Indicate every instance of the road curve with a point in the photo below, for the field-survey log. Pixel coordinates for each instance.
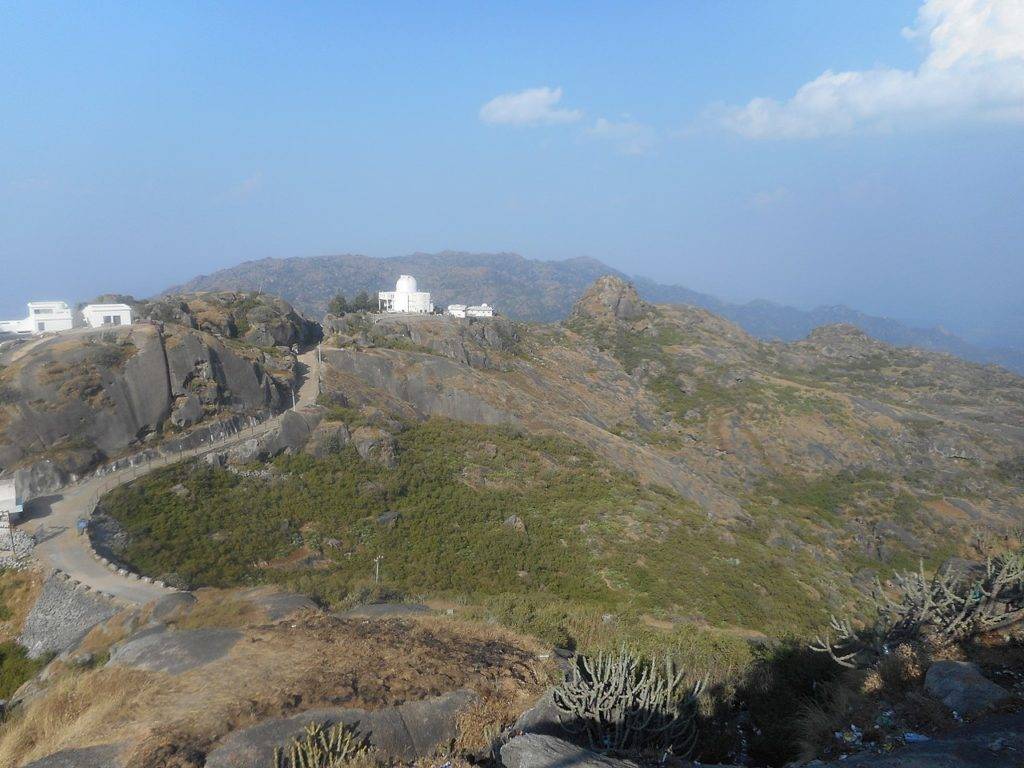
(53, 519)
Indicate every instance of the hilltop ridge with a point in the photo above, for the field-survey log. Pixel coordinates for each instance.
(544, 291)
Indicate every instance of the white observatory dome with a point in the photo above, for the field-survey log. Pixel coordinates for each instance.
(405, 284)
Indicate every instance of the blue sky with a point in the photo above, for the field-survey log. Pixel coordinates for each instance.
(867, 153)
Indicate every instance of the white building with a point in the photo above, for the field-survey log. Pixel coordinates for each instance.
(43, 316)
(481, 310)
(10, 500)
(461, 310)
(405, 298)
(98, 315)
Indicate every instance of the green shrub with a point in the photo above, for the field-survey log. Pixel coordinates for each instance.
(15, 668)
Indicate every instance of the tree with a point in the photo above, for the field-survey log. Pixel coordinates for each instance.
(338, 305)
(363, 303)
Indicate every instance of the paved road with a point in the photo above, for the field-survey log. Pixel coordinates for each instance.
(54, 518)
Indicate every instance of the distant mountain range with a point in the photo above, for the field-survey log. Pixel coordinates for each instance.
(529, 289)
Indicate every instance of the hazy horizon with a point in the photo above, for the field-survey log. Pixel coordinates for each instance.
(866, 154)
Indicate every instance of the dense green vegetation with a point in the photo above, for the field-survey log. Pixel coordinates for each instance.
(361, 302)
(596, 558)
(16, 668)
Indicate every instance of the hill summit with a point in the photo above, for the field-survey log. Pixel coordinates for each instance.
(609, 298)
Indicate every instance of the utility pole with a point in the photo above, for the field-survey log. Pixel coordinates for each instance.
(376, 568)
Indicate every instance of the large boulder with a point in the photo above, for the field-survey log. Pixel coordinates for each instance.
(160, 649)
(609, 299)
(961, 687)
(413, 730)
(92, 395)
(328, 437)
(539, 751)
(100, 756)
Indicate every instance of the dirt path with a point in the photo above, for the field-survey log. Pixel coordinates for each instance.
(54, 519)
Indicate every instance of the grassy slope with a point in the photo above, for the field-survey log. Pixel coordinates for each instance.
(595, 541)
(17, 591)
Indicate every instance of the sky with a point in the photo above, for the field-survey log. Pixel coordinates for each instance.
(866, 153)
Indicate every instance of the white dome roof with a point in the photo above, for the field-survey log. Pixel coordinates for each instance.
(405, 284)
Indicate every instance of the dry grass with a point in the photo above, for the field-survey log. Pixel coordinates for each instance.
(218, 608)
(102, 637)
(481, 724)
(896, 673)
(171, 722)
(841, 706)
(18, 593)
(79, 709)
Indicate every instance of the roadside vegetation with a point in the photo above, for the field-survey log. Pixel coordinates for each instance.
(533, 532)
(18, 591)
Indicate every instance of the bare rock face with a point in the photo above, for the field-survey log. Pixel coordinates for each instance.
(257, 319)
(412, 730)
(609, 299)
(961, 687)
(160, 649)
(327, 438)
(90, 395)
(539, 751)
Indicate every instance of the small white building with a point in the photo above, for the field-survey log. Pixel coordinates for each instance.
(479, 310)
(457, 310)
(405, 298)
(43, 317)
(10, 500)
(99, 315)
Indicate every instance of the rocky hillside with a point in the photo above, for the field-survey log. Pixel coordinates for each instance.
(527, 289)
(78, 399)
(651, 463)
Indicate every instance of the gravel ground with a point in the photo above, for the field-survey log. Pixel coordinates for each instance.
(61, 616)
(24, 543)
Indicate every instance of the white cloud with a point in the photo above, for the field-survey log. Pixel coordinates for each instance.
(629, 136)
(973, 70)
(534, 106)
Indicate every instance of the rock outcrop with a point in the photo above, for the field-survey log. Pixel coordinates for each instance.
(408, 732)
(255, 318)
(538, 751)
(961, 687)
(609, 299)
(88, 396)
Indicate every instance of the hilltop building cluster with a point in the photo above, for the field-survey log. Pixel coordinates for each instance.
(408, 299)
(57, 316)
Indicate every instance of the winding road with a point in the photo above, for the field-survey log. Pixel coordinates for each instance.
(54, 519)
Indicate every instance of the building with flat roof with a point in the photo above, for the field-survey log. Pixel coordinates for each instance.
(43, 317)
(477, 310)
(480, 310)
(99, 315)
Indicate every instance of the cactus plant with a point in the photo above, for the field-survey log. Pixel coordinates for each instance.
(321, 746)
(624, 705)
(946, 608)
